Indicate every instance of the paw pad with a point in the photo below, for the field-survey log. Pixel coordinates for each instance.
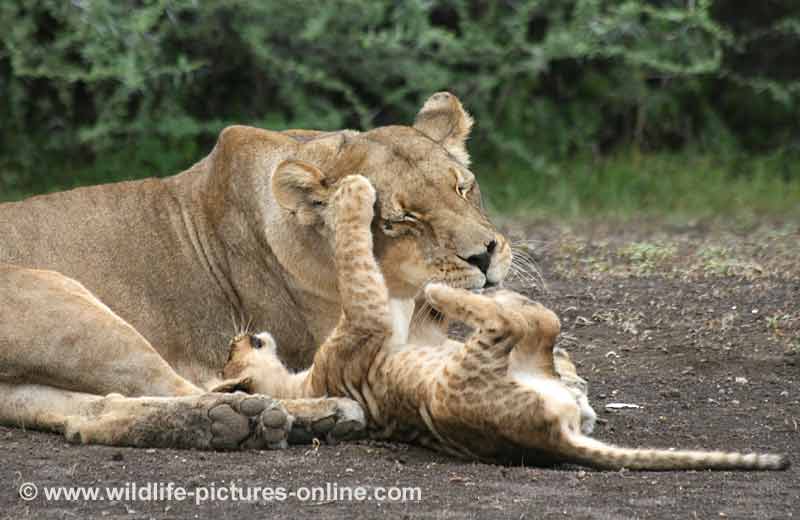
(248, 422)
(344, 419)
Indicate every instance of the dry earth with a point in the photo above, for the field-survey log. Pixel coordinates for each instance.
(698, 326)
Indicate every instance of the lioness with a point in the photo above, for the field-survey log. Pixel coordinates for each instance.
(497, 397)
(236, 236)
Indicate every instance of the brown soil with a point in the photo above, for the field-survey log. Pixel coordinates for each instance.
(699, 327)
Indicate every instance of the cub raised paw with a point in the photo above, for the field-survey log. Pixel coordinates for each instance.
(353, 202)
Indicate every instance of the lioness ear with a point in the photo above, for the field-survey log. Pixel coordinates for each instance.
(301, 188)
(443, 119)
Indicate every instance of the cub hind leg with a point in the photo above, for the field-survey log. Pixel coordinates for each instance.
(578, 386)
(528, 331)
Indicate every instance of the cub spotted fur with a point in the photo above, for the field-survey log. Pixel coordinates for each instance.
(496, 397)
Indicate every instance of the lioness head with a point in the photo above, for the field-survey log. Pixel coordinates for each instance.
(430, 224)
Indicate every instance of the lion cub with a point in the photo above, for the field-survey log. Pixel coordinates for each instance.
(497, 397)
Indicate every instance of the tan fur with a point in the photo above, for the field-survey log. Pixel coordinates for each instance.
(63, 386)
(497, 397)
(169, 266)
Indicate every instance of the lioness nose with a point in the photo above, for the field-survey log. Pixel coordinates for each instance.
(483, 260)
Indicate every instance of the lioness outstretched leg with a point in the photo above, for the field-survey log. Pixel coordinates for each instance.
(208, 421)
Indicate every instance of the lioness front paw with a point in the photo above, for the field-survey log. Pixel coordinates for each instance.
(242, 421)
(329, 419)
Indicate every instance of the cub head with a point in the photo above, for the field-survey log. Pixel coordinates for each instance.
(430, 224)
(250, 357)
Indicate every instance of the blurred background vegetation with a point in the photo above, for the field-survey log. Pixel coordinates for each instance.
(583, 107)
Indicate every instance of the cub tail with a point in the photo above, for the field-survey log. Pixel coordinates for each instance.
(591, 452)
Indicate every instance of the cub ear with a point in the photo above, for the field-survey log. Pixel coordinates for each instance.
(443, 119)
(300, 188)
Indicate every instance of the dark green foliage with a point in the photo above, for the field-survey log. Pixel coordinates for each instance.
(96, 90)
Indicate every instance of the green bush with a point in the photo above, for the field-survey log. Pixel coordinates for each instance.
(96, 90)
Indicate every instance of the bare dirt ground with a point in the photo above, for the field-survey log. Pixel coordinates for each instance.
(698, 326)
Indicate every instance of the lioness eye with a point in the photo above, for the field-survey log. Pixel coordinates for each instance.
(463, 189)
(405, 218)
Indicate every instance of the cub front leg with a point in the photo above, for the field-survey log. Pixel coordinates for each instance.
(342, 362)
(362, 289)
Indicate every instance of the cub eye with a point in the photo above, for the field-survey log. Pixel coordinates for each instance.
(409, 217)
(256, 342)
(463, 189)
